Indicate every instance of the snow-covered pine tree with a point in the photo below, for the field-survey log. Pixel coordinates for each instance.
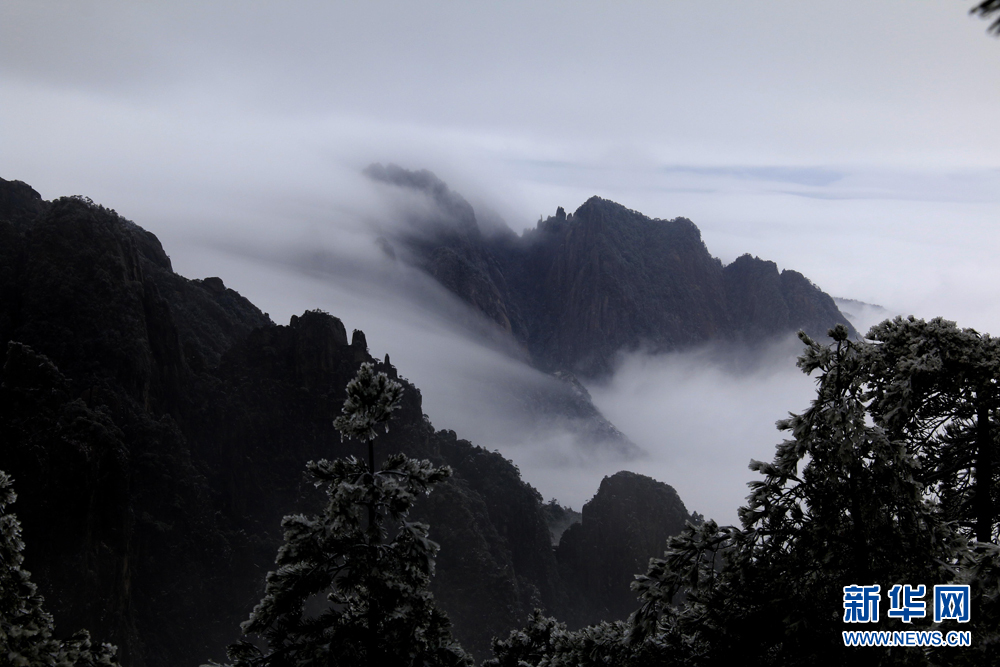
(935, 386)
(841, 504)
(849, 499)
(351, 587)
(26, 629)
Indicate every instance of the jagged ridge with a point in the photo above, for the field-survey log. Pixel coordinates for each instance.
(581, 287)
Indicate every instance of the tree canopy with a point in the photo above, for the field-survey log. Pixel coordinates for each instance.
(351, 584)
(987, 8)
(882, 481)
(27, 630)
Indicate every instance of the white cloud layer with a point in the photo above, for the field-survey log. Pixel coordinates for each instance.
(702, 418)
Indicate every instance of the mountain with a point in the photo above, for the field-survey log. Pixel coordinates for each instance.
(157, 429)
(581, 287)
(629, 518)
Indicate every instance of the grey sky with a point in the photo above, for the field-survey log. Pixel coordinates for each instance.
(856, 142)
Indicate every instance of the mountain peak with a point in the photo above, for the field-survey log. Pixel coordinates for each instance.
(599, 204)
(581, 288)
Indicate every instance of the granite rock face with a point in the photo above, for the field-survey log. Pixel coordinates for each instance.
(484, 266)
(581, 287)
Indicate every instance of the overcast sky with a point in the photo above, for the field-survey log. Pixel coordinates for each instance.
(856, 141)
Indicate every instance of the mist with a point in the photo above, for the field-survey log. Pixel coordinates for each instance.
(854, 143)
(474, 378)
(696, 417)
(702, 415)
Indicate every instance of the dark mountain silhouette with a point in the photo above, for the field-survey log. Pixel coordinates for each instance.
(629, 518)
(581, 287)
(157, 429)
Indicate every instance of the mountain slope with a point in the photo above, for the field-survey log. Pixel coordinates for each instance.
(630, 517)
(157, 429)
(581, 287)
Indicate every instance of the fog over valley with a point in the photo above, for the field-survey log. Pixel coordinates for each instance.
(458, 333)
(697, 417)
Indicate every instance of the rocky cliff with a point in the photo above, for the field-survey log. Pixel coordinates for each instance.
(157, 430)
(626, 522)
(581, 287)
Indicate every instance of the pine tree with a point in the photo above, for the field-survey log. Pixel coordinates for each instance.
(545, 641)
(841, 504)
(351, 585)
(26, 629)
(987, 8)
(935, 387)
(855, 496)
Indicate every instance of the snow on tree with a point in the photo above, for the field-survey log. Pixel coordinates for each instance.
(857, 495)
(351, 586)
(934, 387)
(547, 641)
(843, 503)
(26, 629)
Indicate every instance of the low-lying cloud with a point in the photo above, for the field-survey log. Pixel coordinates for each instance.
(474, 378)
(703, 415)
(698, 416)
